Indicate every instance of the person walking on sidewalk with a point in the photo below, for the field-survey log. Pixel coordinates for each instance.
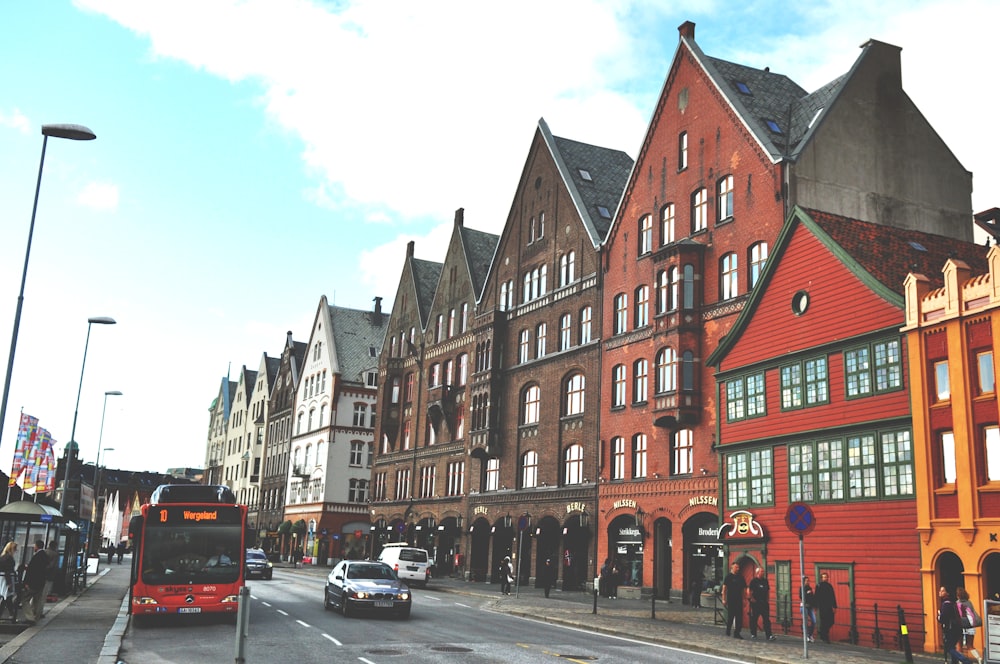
(826, 602)
(8, 580)
(734, 588)
(548, 575)
(52, 571)
(967, 611)
(34, 583)
(951, 627)
(760, 604)
(506, 576)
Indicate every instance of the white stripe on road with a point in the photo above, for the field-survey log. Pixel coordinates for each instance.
(464, 606)
(266, 603)
(327, 636)
(304, 624)
(366, 661)
(436, 599)
(284, 613)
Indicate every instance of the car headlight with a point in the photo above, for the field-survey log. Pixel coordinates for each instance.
(403, 596)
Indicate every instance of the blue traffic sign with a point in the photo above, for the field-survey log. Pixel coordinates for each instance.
(800, 518)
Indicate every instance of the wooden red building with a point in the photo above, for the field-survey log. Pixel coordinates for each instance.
(814, 408)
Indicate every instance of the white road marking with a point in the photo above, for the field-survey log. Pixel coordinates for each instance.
(304, 624)
(268, 604)
(284, 613)
(330, 638)
(464, 606)
(366, 661)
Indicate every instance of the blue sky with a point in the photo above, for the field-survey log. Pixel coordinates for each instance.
(255, 155)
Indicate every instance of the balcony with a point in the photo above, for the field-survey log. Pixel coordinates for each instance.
(676, 410)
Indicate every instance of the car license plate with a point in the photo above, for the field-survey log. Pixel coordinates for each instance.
(413, 568)
(189, 609)
(383, 604)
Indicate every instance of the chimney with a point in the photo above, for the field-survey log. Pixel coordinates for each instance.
(460, 217)
(686, 29)
(409, 249)
(378, 304)
(288, 338)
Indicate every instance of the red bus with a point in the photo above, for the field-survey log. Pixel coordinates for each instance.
(188, 547)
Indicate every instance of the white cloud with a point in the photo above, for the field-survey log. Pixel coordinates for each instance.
(99, 196)
(15, 119)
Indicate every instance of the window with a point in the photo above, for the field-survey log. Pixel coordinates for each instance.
(745, 397)
(573, 464)
(641, 307)
(872, 369)
(897, 464)
(618, 386)
(687, 370)
(667, 228)
(540, 340)
(682, 151)
(567, 268)
(991, 443)
(449, 372)
(439, 328)
(452, 320)
(640, 392)
(360, 412)
(749, 478)
(492, 475)
(541, 225)
(357, 453)
(621, 313)
(639, 444)
(459, 428)
(524, 346)
(984, 366)
(804, 384)
(456, 478)
(406, 435)
(532, 400)
(586, 315)
(662, 292)
(434, 379)
(645, 234)
(689, 286)
(673, 296)
(465, 317)
(683, 454)
(575, 393)
(862, 473)
(427, 481)
(463, 369)
(728, 277)
(724, 198)
(402, 484)
(618, 458)
(949, 472)
(565, 331)
(394, 391)
(506, 296)
(357, 491)
(758, 257)
(699, 210)
(529, 470)
(666, 370)
(942, 388)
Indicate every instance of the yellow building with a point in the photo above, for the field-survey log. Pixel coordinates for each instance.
(952, 334)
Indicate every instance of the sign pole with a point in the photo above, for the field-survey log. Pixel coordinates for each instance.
(802, 596)
(800, 520)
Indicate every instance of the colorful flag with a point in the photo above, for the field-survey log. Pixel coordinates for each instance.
(44, 464)
(50, 466)
(26, 434)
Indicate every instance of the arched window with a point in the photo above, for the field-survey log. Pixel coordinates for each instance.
(567, 268)
(586, 320)
(757, 260)
(667, 224)
(540, 334)
(308, 459)
(728, 277)
(524, 346)
(639, 455)
(575, 393)
(640, 388)
(641, 306)
(682, 151)
(683, 452)
(618, 386)
(565, 331)
(674, 296)
(621, 313)
(699, 210)
(529, 469)
(724, 198)
(618, 458)
(531, 402)
(666, 370)
(573, 464)
(463, 369)
(645, 234)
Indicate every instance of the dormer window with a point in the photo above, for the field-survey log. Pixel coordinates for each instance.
(585, 175)
(773, 126)
(742, 87)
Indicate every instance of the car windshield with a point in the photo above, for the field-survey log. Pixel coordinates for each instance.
(413, 555)
(369, 572)
(256, 555)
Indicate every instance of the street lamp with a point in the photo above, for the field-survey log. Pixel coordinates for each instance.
(97, 477)
(100, 320)
(73, 133)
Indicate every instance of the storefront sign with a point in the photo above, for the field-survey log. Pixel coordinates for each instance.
(629, 534)
(576, 507)
(741, 527)
(480, 509)
(624, 502)
(703, 500)
(708, 532)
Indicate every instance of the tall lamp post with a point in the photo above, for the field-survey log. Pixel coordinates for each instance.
(97, 476)
(99, 523)
(71, 445)
(73, 133)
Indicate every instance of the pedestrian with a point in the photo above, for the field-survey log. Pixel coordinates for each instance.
(826, 603)
(548, 576)
(696, 592)
(734, 587)
(34, 583)
(809, 604)
(568, 577)
(760, 604)
(110, 550)
(602, 583)
(506, 576)
(970, 621)
(614, 579)
(8, 580)
(52, 571)
(951, 627)
(121, 551)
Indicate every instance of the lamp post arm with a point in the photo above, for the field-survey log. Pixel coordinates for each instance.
(72, 434)
(20, 295)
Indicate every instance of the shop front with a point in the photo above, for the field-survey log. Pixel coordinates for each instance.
(704, 556)
(625, 549)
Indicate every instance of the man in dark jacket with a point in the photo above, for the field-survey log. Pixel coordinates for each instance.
(760, 604)
(734, 587)
(34, 583)
(826, 602)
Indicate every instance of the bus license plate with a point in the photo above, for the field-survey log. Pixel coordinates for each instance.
(383, 604)
(189, 609)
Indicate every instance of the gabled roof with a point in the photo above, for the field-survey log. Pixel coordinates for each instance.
(358, 337)
(271, 366)
(608, 170)
(480, 247)
(425, 279)
(881, 257)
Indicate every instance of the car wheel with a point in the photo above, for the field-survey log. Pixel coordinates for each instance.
(345, 608)
(326, 600)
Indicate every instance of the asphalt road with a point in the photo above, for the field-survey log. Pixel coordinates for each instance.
(288, 623)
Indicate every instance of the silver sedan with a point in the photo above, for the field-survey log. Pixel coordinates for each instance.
(361, 585)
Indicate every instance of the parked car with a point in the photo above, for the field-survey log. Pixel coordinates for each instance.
(257, 565)
(410, 564)
(364, 585)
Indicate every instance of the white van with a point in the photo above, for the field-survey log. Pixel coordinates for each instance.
(411, 564)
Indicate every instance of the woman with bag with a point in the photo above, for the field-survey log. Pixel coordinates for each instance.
(506, 576)
(969, 623)
(8, 580)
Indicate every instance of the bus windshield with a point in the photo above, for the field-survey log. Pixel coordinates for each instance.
(191, 554)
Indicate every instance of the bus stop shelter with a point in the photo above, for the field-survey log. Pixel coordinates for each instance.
(24, 521)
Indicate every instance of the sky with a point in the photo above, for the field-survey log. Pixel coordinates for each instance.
(255, 155)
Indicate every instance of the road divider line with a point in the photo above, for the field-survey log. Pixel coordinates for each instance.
(304, 624)
(330, 638)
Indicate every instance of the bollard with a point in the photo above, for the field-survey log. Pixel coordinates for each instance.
(595, 600)
(243, 625)
(653, 606)
(904, 634)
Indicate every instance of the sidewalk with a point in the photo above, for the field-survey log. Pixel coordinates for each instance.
(675, 624)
